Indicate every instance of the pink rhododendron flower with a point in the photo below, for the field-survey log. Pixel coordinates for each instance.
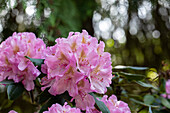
(57, 108)
(14, 65)
(83, 99)
(114, 105)
(12, 111)
(75, 61)
(94, 110)
(61, 71)
(167, 88)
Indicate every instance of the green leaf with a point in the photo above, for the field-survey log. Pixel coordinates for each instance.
(52, 20)
(148, 99)
(131, 76)
(14, 91)
(141, 103)
(165, 102)
(47, 105)
(162, 86)
(52, 100)
(44, 96)
(31, 96)
(153, 76)
(36, 62)
(100, 104)
(6, 82)
(146, 85)
(130, 67)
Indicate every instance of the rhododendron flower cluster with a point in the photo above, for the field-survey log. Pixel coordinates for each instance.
(114, 105)
(167, 88)
(78, 65)
(57, 108)
(14, 65)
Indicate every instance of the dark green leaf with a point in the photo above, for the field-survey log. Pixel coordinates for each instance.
(100, 104)
(131, 76)
(44, 96)
(162, 86)
(146, 85)
(36, 62)
(52, 20)
(148, 99)
(165, 102)
(14, 91)
(6, 82)
(52, 100)
(139, 102)
(31, 96)
(47, 105)
(130, 67)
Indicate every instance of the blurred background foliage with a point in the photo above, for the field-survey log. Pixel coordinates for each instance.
(136, 33)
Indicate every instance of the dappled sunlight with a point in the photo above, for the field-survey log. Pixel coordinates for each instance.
(131, 25)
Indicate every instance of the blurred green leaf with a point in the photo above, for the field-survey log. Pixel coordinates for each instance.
(43, 96)
(143, 111)
(7, 82)
(100, 104)
(144, 104)
(52, 20)
(24, 5)
(152, 75)
(53, 100)
(162, 86)
(6, 104)
(131, 76)
(148, 99)
(31, 96)
(14, 90)
(165, 102)
(47, 105)
(36, 62)
(146, 85)
(130, 67)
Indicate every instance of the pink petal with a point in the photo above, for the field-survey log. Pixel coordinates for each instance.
(22, 65)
